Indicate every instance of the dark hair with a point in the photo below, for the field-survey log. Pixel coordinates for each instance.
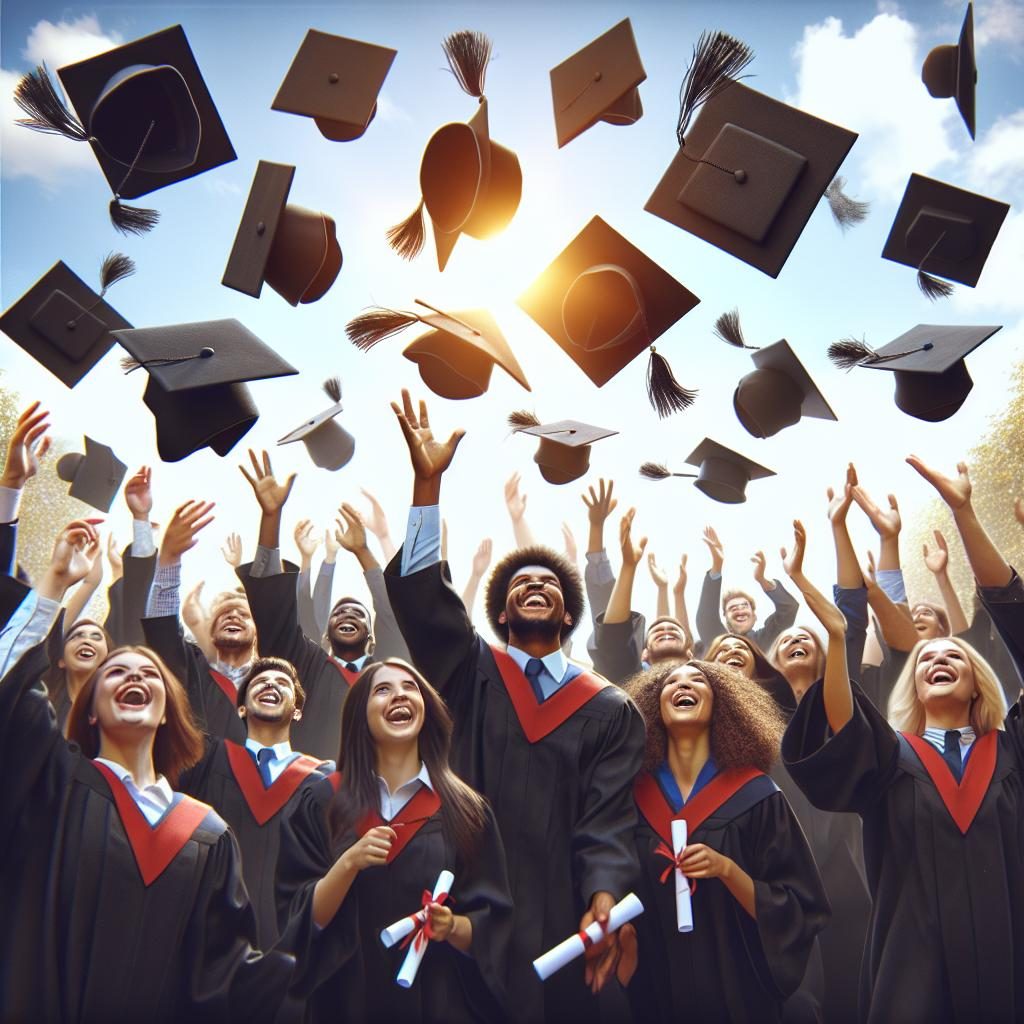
(668, 618)
(462, 808)
(746, 725)
(938, 611)
(766, 675)
(536, 554)
(55, 677)
(179, 743)
(271, 665)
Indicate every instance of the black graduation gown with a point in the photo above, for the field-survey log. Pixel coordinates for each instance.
(228, 780)
(945, 863)
(345, 971)
(558, 775)
(106, 918)
(731, 967)
(274, 607)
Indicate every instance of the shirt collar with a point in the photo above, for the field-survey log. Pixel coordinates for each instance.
(967, 734)
(421, 776)
(556, 663)
(359, 662)
(234, 672)
(280, 749)
(161, 787)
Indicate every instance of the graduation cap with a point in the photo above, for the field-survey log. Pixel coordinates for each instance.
(455, 357)
(146, 111)
(330, 446)
(197, 374)
(95, 477)
(945, 231)
(336, 82)
(604, 302)
(598, 83)
(723, 474)
(932, 381)
(951, 71)
(469, 183)
(63, 324)
(293, 249)
(750, 172)
(564, 450)
(779, 392)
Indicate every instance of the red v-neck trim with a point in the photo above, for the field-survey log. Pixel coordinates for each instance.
(538, 720)
(407, 822)
(963, 800)
(154, 846)
(349, 677)
(227, 687)
(655, 808)
(264, 802)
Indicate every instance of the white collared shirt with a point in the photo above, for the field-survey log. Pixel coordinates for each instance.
(283, 756)
(392, 803)
(153, 800)
(556, 664)
(937, 738)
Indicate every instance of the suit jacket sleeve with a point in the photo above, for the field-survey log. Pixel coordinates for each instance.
(138, 577)
(709, 619)
(784, 615)
(616, 654)
(388, 640)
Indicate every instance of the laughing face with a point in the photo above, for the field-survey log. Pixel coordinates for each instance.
(348, 628)
(926, 622)
(129, 694)
(85, 647)
(666, 639)
(739, 615)
(394, 708)
(270, 697)
(233, 628)
(795, 649)
(534, 603)
(736, 654)
(686, 700)
(943, 674)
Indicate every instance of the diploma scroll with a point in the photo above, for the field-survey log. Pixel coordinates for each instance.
(684, 911)
(415, 929)
(565, 952)
(394, 933)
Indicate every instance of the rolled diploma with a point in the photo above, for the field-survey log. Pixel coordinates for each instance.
(394, 933)
(684, 912)
(411, 963)
(565, 952)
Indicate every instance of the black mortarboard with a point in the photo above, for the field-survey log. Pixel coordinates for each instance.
(945, 231)
(455, 358)
(293, 249)
(598, 83)
(723, 474)
(329, 444)
(951, 71)
(61, 322)
(197, 374)
(95, 477)
(932, 381)
(563, 454)
(335, 81)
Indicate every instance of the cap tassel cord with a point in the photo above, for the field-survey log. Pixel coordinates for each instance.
(657, 471)
(133, 220)
(665, 393)
(932, 287)
(448, 316)
(407, 238)
(115, 267)
(845, 211)
(849, 352)
(36, 96)
(727, 327)
(468, 55)
(374, 326)
(718, 58)
(130, 364)
(591, 82)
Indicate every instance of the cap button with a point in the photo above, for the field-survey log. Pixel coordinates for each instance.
(261, 228)
(206, 352)
(740, 176)
(333, 78)
(927, 346)
(597, 76)
(70, 325)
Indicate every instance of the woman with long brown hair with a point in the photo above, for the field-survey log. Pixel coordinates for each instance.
(366, 850)
(739, 652)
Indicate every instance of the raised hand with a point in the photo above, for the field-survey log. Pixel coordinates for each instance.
(429, 457)
(955, 493)
(680, 584)
(657, 573)
(306, 538)
(794, 563)
(232, 550)
(600, 503)
(138, 494)
(839, 505)
(114, 558)
(372, 849)
(270, 494)
(331, 546)
(760, 565)
(482, 558)
(75, 551)
(937, 560)
(182, 531)
(716, 549)
(631, 553)
(94, 577)
(514, 501)
(870, 572)
(376, 522)
(193, 613)
(350, 534)
(570, 543)
(27, 445)
(886, 522)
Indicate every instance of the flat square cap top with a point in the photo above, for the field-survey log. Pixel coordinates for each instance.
(569, 433)
(592, 84)
(931, 348)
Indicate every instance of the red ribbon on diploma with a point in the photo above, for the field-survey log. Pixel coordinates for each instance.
(662, 850)
(423, 932)
(587, 940)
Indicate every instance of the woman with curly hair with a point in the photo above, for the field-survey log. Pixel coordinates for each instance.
(712, 736)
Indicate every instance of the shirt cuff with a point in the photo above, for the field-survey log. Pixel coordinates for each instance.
(143, 544)
(10, 504)
(712, 575)
(266, 562)
(422, 547)
(599, 568)
(891, 582)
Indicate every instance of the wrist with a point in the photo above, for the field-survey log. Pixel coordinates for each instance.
(365, 558)
(270, 530)
(168, 558)
(426, 491)
(15, 483)
(765, 584)
(595, 541)
(53, 585)
(716, 566)
(330, 557)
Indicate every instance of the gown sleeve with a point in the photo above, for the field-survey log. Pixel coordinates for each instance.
(616, 653)
(709, 619)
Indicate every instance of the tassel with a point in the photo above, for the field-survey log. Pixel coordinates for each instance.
(655, 471)
(717, 59)
(521, 418)
(666, 394)
(132, 220)
(850, 352)
(333, 388)
(36, 96)
(727, 327)
(932, 287)
(116, 267)
(128, 364)
(845, 211)
(367, 329)
(407, 238)
(468, 55)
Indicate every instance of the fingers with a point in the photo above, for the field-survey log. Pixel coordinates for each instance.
(256, 464)
(424, 422)
(851, 475)
(410, 415)
(456, 439)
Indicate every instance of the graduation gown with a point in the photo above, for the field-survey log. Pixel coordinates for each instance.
(107, 918)
(731, 967)
(228, 780)
(558, 775)
(945, 863)
(344, 970)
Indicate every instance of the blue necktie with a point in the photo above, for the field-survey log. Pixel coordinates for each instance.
(533, 669)
(263, 759)
(951, 753)
(351, 666)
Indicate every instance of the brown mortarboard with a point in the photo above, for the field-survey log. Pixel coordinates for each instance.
(329, 444)
(469, 184)
(723, 474)
(146, 111)
(750, 172)
(197, 374)
(63, 324)
(336, 82)
(604, 302)
(943, 232)
(293, 249)
(95, 477)
(951, 71)
(455, 357)
(564, 450)
(598, 83)
(779, 391)
(932, 381)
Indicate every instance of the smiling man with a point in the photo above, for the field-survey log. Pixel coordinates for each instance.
(554, 748)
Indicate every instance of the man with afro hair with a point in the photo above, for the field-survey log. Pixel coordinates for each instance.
(553, 747)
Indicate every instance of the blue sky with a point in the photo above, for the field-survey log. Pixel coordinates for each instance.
(855, 63)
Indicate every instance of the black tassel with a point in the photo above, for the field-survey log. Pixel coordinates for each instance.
(521, 418)
(468, 55)
(845, 211)
(333, 388)
(718, 58)
(367, 329)
(132, 220)
(727, 327)
(655, 471)
(850, 352)
(666, 394)
(407, 238)
(116, 267)
(933, 287)
(37, 97)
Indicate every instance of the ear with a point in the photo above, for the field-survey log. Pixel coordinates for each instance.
(241, 711)
(645, 655)
(502, 619)
(61, 664)
(567, 619)
(297, 714)
(163, 721)
(92, 719)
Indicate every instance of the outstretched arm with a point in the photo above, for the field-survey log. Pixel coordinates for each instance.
(682, 616)
(597, 575)
(660, 579)
(271, 497)
(619, 606)
(481, 561)
(937, 562)
(516, 505)
(709, 617)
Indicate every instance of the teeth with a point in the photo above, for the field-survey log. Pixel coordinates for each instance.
(399, 715)
(134, 696)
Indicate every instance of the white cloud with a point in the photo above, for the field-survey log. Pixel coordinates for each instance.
(67, 42)
(1000, 21)
(388, 110)
(997, 158)
(1000, 284)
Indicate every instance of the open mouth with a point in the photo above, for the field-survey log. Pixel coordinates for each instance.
(940, 675)
(269, 697)
(683, 699)
(232, 627)
(85, 652)
(798, 652)
(133, 695)
(536, 600)
(347, 629)
(735, 661)
(400, 714)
